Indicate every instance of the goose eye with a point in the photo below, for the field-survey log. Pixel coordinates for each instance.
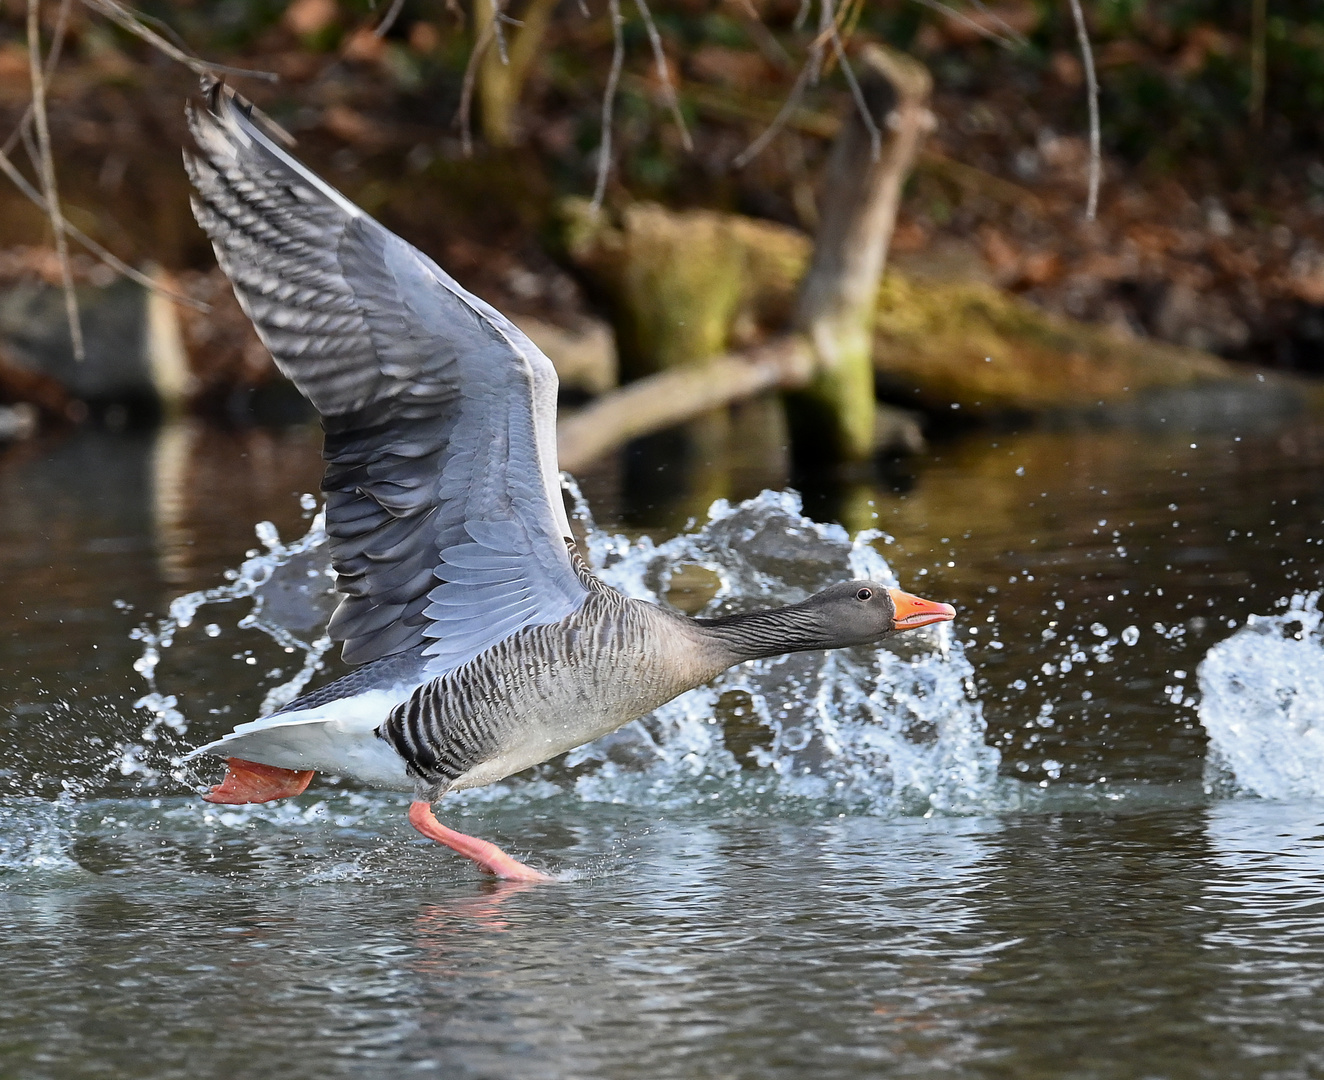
(864, 594)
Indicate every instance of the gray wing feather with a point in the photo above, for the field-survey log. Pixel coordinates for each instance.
(446, 524)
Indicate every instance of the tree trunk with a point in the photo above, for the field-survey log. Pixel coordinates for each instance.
(500, 81)
(832, 419)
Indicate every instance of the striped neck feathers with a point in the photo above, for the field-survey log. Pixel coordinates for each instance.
(758, 634)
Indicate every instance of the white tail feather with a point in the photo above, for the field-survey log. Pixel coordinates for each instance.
(338, 737)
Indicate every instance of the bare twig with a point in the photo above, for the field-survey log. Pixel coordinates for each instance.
(816, 47)
(126, 19)
(609, 100)
(57, 39)
(21, 128)
(388, 20)
(848, 17)
(165, 28)
(875, 138)
(773, 51)
(961, 17)
(789, 106)
(808, 75)
(48, 186)
(663, 73)
(21, 182)
(465, 112)
(993, 16)
(498, 17)
(52, 58)
(24, 127)
(1092, 89)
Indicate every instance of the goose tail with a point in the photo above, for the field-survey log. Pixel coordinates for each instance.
(338, 737)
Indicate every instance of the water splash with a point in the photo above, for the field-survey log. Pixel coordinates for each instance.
(1262, 704)
(292, 591)
(876, 730)
(882, 730)
(35, 836)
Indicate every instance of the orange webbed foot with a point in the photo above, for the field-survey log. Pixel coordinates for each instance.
(250, 782)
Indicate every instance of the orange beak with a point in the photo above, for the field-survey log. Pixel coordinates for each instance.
(911, 611)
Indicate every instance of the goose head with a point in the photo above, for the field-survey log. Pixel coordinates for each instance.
(864, 612)
(851, 613)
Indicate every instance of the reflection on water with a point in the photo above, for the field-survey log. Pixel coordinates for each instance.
(1107, 928)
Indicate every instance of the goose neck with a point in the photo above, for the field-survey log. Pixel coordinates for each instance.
(757, 634)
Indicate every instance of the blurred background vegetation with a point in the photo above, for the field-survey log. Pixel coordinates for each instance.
(1211, 225)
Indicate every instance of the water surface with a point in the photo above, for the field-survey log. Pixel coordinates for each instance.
(1102, 906)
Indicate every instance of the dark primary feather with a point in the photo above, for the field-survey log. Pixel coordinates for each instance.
(445, 519)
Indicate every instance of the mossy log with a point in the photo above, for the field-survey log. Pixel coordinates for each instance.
(683, 286)
(971, 345)
(686, 287)
(936, 343)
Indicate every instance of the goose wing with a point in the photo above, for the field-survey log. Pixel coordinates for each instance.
(446, 524)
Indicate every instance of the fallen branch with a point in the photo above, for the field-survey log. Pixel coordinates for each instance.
(671, 397)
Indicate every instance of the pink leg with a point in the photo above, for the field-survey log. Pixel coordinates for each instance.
(490, 857)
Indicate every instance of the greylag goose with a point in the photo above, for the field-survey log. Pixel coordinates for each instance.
(483, 644)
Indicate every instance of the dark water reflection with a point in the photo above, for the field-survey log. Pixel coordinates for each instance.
(1171, 935)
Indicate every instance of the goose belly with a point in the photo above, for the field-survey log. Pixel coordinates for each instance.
(545, 690)
(541, 693)
(566, 717)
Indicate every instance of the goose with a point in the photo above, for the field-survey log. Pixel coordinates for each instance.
(482, 644)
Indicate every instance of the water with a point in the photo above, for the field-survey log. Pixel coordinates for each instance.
(992, 853)
(1262, 703)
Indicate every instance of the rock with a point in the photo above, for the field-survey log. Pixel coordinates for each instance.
(18, 421)
(134, 350)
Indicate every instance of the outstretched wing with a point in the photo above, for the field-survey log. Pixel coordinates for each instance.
(444, 509)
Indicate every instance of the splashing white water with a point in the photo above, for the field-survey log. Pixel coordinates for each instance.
(874, 730)
(292, 589)
(1262, 704)
(871, 730)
